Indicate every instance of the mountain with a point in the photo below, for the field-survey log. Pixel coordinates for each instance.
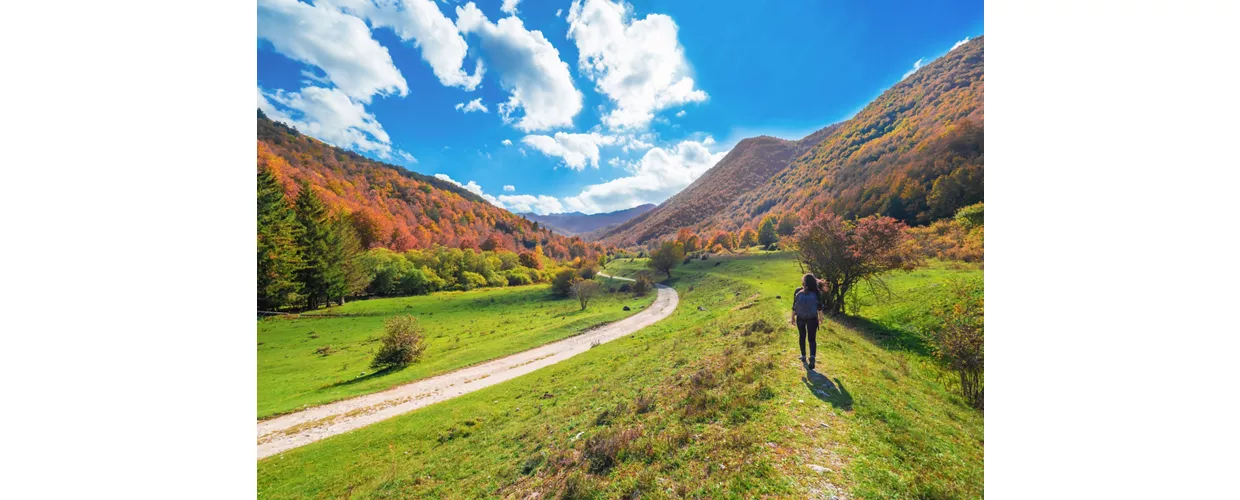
(396, 208)
(575, 223)
(749, 165)
(915, 153)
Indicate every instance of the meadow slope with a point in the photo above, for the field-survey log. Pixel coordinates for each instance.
(708, 402)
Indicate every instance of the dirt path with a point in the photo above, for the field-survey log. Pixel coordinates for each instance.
(307, 426)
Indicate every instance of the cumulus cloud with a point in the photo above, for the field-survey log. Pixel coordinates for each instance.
(331, 116)
(962, 42)
(474, 105)
(509, 7)
(659, 174)
(421, 21)
(680, 114)
(540, 204)
(472, 187)
(576, 150)
(541, 91)
(638, 64)
(337, 43)
(916, 66)
(509, 188)
(506, 142)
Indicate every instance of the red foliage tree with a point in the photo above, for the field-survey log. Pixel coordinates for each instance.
(844, 253)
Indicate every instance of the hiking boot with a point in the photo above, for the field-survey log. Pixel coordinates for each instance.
(802, 359)
(811, 362)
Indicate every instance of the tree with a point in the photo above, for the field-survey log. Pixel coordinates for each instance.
(788, 224)
(766, 231)
(971, 216)
(279, 258)
(667, 256)
(530, 260)
(845, 253)
(693, 243)
(723, 239)
(642, 283)
(584, 290)
(346, 255)
(749, 238)
(319, 241)
(562, 283)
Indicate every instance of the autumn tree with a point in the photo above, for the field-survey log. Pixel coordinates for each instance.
(766, 231)
(723, 239)
(749, 238)
(531, 260)
(788, 223)
(279, 258)
(667, 256)
(693, 243)
(844, 253)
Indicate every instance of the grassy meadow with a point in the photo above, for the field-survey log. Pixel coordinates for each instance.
(325, 356)
(708, 402)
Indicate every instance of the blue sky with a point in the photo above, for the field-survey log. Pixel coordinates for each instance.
(591, 105)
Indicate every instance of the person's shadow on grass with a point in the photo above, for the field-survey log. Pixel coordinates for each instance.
(827, 391)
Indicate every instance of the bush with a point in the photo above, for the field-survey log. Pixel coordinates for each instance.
(588, 271)
(642, 284)
(959, 341)
(402, 344)
(517, 278)
(562, 282)
(471, 280)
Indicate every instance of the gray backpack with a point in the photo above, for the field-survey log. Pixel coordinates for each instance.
(805, 305)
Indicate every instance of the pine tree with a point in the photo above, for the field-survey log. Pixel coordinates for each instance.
(318, 244)
(279, 258)
(353, 276)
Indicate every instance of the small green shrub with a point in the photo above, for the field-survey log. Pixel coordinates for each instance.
(642, 284)
(402, 344)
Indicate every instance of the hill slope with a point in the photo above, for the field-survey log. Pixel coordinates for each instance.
(914, 153)
(575, 223)
(393, 207)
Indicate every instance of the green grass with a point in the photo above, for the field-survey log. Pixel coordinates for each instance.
(732, 414)
(462, 328)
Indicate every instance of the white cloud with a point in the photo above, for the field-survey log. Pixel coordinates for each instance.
(474, 105)
(559, 12)
(576, 150)
(680, 114)
(509, 7)
(508, 188)
(522, 150)
(659, 174)
(962, 42)
(530, 69)
(638, 63)
(443, 48)
(541, 204)
(506, 142)
(331, 116)
(337, 43)
(472, 187)
(916, 66)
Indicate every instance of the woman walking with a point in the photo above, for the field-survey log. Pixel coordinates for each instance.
(806, 305)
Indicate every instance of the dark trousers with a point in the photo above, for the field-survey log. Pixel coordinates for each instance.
(808, 327)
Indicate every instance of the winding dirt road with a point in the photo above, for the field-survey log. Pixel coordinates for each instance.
(307, 426)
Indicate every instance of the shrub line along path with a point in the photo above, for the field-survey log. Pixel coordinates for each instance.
(289, 431)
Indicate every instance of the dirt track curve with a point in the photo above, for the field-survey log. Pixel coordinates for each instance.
(312, 424)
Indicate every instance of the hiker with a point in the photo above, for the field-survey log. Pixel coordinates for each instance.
(806, 306)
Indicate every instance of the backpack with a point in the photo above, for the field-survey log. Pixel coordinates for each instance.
(805, 305)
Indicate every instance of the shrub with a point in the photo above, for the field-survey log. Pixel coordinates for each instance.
(642, 284)
(402, 344)
(517, 278)
(472, 280)
(959, 341)
(588, 271)
(562, 282)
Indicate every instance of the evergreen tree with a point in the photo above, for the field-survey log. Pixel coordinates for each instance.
(279, 258)
(347, 253)
(321, 275)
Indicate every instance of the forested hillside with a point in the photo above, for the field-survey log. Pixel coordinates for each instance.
(916, 153)
(392, 207)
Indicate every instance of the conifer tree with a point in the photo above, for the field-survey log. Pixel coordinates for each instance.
(318, 242)
(279, 258)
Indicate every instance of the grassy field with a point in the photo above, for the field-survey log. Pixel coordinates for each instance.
(314, 360)
(708, 402)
